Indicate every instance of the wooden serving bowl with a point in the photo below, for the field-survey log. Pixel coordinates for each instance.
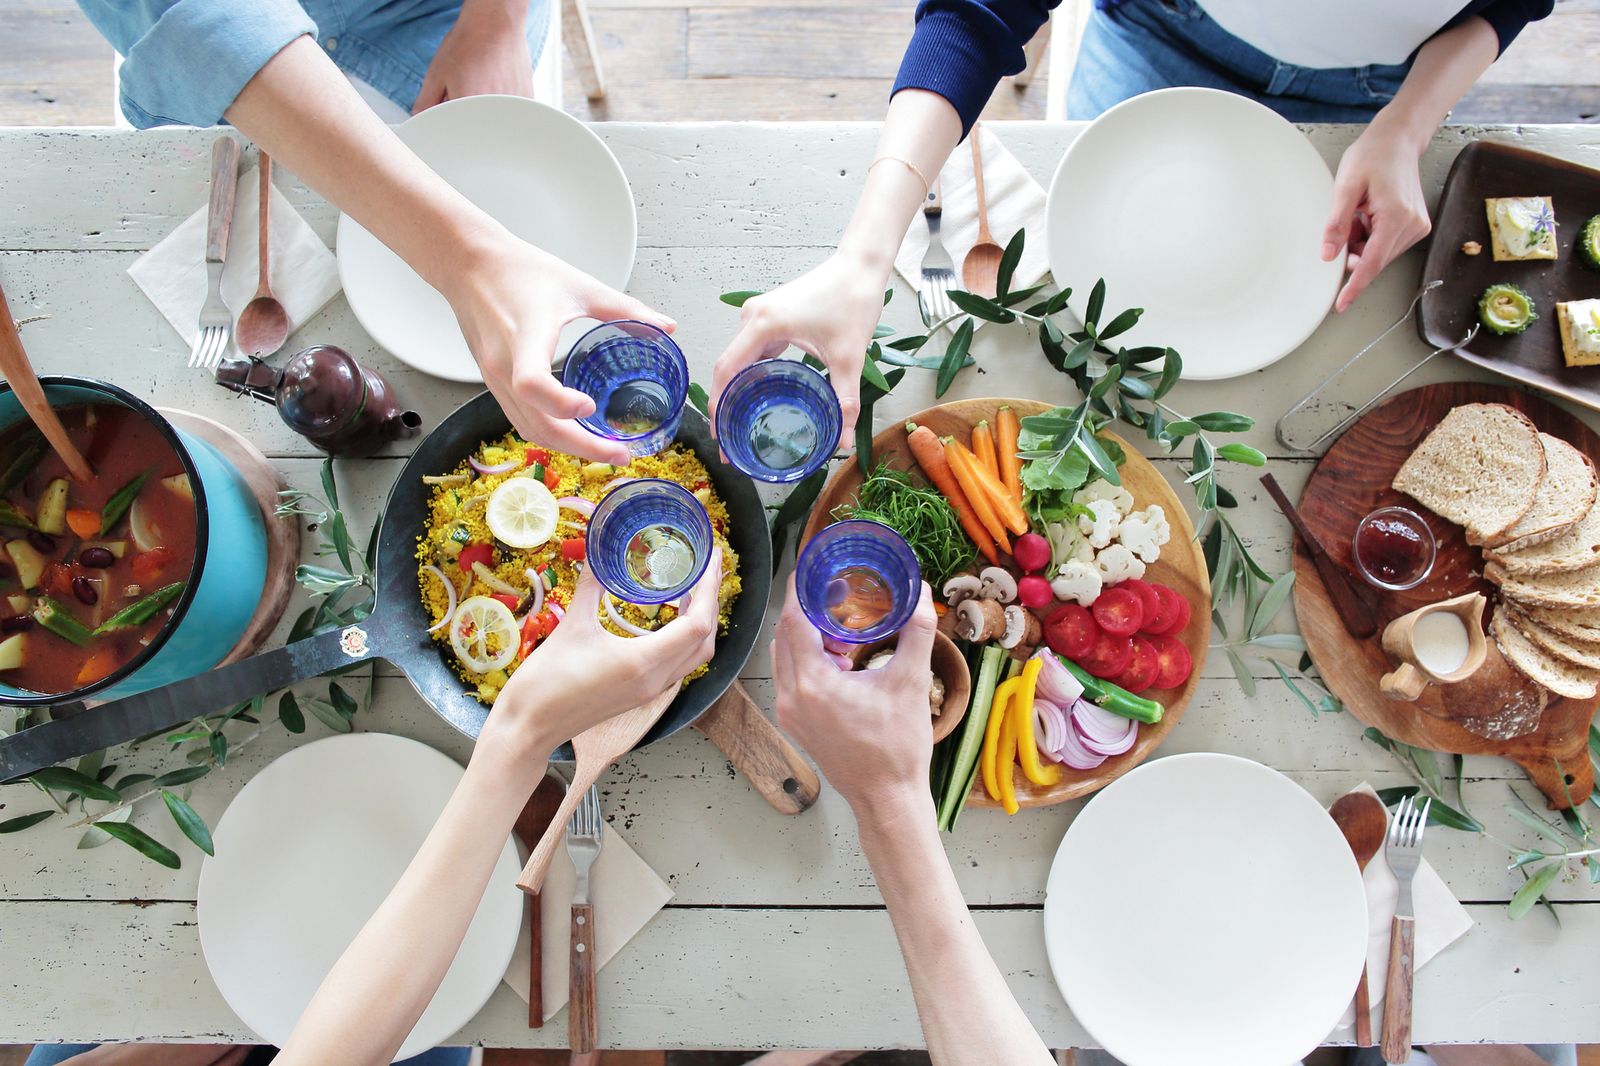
(949, 666)
(1182, 566)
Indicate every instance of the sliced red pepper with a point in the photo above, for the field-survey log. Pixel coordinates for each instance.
(476, 553)
(506, 598)
(536, 455)
(551, 479)
(57, 579)
(535, 628)
(574, 549)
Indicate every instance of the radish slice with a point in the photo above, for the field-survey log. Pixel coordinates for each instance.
(449, 587)
(577, 503)
(1056, 682)
(498, 468)
(621, 622)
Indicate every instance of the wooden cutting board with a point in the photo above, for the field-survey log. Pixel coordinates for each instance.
(1351, 480)
(1182, 566)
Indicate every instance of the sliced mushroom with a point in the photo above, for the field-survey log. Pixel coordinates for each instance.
(980, 620)
(962, 587)
(1019, 623)
(998, 584)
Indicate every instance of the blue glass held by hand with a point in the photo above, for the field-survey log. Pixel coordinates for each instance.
(778, 420)
(638, 380)
(649, 541)
(858, 581)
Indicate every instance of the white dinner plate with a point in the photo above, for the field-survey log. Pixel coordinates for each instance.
(1207, 210)
(540, 172)
(1204, 910)
(307, 851)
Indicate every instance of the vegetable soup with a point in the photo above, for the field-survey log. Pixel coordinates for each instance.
(91, 570)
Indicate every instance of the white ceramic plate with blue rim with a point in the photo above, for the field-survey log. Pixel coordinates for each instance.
(1207, 210)
(538, 171)
(307, 851)
(1204, 910)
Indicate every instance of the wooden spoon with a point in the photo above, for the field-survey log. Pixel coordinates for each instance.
(594, 750)
(980, 271)
(1361, 818)
(264, 325)
(535, 818)
(16, 369)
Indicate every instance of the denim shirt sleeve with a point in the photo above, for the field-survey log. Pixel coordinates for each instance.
(185, 61)
(962, 48)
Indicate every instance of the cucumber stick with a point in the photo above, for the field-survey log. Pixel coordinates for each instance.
(959, 781)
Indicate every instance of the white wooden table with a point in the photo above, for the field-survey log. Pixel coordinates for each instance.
(776, 936)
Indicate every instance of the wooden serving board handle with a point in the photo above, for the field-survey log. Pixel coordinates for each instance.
(1397, 992)
(583, 1023)
(760, 752)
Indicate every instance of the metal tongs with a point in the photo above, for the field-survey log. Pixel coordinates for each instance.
(1284, 427)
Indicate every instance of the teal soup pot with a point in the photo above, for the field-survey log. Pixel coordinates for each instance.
(230, 561)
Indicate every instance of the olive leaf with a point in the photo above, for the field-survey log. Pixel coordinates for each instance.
(61, 779)
(699, 399)
(24, 821)
(193, 826)
(94, 836)
(981, 307)
(738, 299)
(1532, 890)
(289, 713)
(1008, 263)
(1439, 813)
(142, 842)
(795, 507)
(185, 776)
(954, 358)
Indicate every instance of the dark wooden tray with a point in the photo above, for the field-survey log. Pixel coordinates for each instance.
(1482, 170)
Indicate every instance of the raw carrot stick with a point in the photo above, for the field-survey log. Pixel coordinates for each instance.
(965, 468)
(929, 454)
(1006, 430)
(1006, 509)
(983, 447)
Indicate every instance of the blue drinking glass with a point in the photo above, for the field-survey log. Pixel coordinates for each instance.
(778, 420)
(858, 581)
(638, 380)
(649, 541)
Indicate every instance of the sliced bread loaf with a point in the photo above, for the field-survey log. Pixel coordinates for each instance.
(1582, 623)
(1576, 549)
(1581, 653)
(1560, 677)
(1480, 467)
(1565, 496)
(1577, 588)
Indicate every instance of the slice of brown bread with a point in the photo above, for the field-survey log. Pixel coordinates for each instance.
(1580, 653)
(1577, 588)
(1565, 496)
(1581, 623)
(1480, 467)
(1559, 677)
(1576, 549)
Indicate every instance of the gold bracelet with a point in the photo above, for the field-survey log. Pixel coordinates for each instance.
(908, 164)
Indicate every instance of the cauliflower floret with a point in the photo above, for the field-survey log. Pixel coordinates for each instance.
(1101, 523)
(1145, 532)
(1118, 563)
(1100, 489)
(1082, 551)
(1077, 580)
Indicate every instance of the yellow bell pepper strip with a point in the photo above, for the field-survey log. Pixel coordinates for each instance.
(1006, 763)
(1027, 746)
(991, 735)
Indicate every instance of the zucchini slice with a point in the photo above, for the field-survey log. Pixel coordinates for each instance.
(1589, 244)
(1506, 309)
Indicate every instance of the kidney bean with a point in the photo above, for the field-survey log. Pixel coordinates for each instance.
(84, 589)
(16, 623)
(97, 557)
(43, 541)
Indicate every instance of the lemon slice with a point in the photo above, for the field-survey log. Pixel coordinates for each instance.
(484, 634)
(522, 513)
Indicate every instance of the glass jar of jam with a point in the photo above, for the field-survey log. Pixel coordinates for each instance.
(1394, 548)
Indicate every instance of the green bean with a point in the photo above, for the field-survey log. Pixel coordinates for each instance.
(120, 501)
(140, 611)
(57, 619)
(24, 462)
(10, 516)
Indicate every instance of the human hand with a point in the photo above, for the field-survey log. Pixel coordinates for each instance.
(1379, 210)
(486, 51)
(583, 673)
(512, 301)
(829, 312)
(868, 730)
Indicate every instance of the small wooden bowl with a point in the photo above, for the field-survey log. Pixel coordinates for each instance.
(949, 666)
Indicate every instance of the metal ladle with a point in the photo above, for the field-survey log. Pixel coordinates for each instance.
(1284, 428)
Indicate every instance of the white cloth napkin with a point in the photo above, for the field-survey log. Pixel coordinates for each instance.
(305, 275)
(1441, 921)
(626, 895)
(1016, 202)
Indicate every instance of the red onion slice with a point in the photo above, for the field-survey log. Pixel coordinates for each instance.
(1048, 726)
(1056, 682)
(449, 586)
(1100, 731)
(615, 482)
(577, 503)
(498, 468)
(621, 622)
(555, 609)
(1076, 754)
(538, 592)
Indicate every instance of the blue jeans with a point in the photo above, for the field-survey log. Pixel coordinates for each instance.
(1140, 45)
(54, 1054)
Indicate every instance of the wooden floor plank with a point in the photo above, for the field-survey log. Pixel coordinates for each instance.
(1559, 50)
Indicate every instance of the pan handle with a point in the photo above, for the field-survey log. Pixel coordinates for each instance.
(163, 708)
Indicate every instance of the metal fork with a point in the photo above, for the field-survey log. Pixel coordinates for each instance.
(1403, 851)
(938, 269)
(216, 322)
(584, 831)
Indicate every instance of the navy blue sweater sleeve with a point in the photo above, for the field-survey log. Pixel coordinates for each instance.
(1509, 16)
(961, 49)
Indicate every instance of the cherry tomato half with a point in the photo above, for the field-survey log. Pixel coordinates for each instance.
(1143, 668)
(1110, 656)
(1176, 663)
(1172, 617)
(1071, 631)
(1119, 611)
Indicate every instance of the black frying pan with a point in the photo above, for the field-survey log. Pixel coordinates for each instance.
(397, 628)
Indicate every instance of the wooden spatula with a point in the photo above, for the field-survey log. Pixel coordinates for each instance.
(594, 750)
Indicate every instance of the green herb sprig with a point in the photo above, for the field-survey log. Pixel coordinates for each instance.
(922, 516)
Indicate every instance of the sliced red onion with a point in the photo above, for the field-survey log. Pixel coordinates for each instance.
(1101, 731)
(614, 482)
(498, 468)
(1048, 725)
(1056, 682)
(557, 610)
(1076, 754)
(449, 586)
(621, 622)
(577, 503)
(538, 592)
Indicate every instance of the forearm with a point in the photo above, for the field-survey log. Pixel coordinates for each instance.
(1445, 68)
(380, 986)
(303, 111)
(921, 128)
(969, 1016)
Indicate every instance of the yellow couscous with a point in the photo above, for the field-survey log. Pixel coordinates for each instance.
(458, 547)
